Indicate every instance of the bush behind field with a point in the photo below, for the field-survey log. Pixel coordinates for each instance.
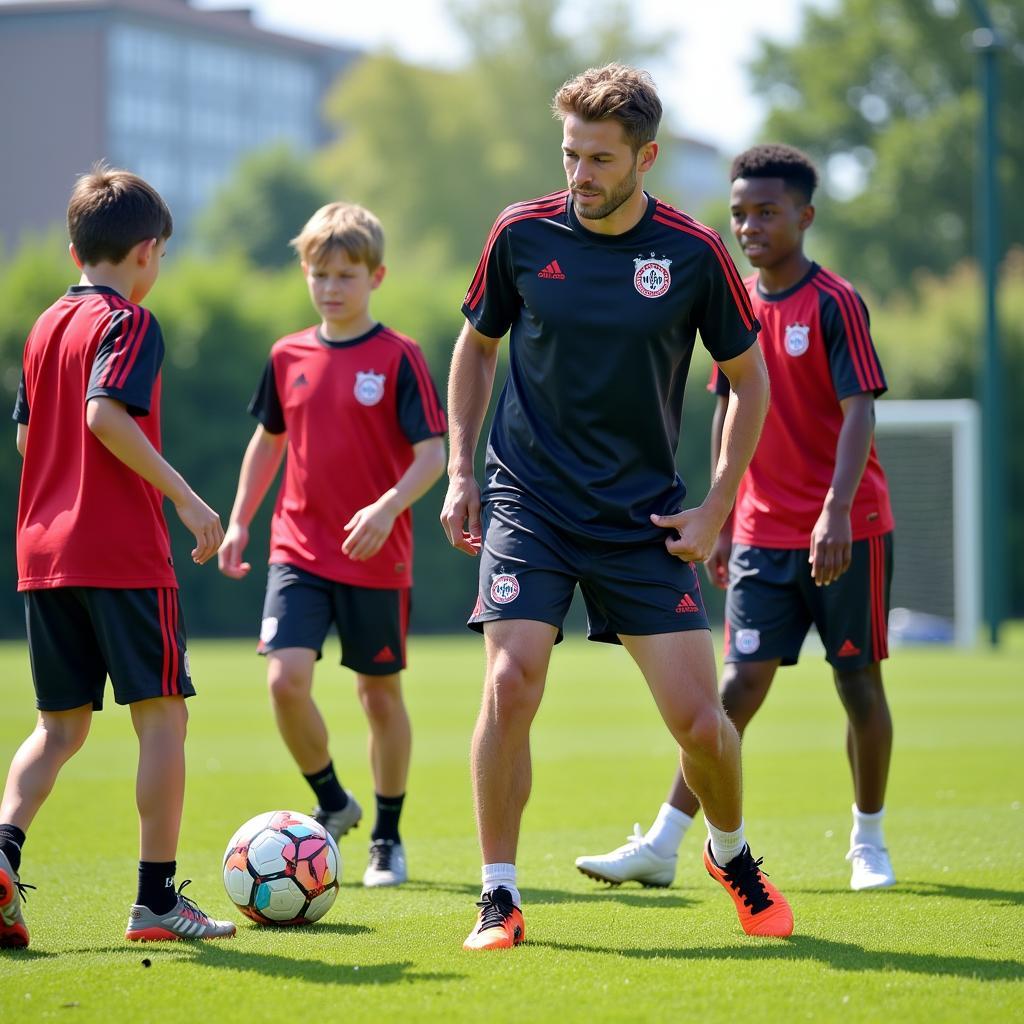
(220, 317)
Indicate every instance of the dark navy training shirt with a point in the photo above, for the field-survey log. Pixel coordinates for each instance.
(602, 331)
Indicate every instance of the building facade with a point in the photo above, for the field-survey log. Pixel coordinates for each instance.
(171, 92)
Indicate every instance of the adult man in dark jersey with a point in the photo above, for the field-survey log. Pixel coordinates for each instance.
(603, 288)
(811, 536)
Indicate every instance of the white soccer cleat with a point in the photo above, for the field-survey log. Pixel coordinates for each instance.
(872, 868)
(339, 822)
(636, 861)
(387, 864)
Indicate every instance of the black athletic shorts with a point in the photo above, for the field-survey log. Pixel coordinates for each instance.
(372, 624)
(529, 570)
(772, 603)
(77, 636)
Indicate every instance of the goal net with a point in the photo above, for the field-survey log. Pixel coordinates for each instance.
(929, 450)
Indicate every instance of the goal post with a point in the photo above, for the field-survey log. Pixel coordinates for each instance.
(930, 450)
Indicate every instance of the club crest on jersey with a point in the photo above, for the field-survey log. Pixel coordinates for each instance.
(369, 389)
(747, 640)
(651, 277)
(504, 588)
(798, 339)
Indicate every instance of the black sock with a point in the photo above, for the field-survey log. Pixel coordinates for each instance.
(329, 793)
(12, 839)
(389, 809)
(156, 886)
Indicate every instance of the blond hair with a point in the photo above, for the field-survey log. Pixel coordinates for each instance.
(343, 226)
(613, 92)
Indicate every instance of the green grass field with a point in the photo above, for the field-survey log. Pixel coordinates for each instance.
(946, 945)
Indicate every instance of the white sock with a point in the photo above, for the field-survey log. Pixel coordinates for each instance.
(725, 845)
(667, 832)
(504, 875)
(867, 828)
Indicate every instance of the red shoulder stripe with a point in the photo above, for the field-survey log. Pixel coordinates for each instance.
(123, 356)
(665, 214)
(537, 208)
(431, 407)
(865, 361)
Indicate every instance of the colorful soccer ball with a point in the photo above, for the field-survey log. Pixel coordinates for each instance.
(282, 868)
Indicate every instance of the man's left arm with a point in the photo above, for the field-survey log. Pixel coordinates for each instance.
(698, 528)
(831, 544)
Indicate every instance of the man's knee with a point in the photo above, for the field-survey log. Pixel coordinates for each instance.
(65, 731)
(514, 686)
(704, 734)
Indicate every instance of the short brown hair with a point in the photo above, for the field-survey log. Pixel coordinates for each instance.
(343, 226)
(614, 92)
(111, 211)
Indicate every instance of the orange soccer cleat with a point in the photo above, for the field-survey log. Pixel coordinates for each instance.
(13, 930)
(762, 909)
(500, 925)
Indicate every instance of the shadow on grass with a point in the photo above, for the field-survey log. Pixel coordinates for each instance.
(1011, 897)
(841, 956)
(219, 955)
(664, 899)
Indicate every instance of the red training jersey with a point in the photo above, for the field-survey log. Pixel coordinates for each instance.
(84, 518)
(352, 411)
(817, 345)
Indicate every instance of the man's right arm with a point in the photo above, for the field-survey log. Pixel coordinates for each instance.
(259, 467)
(470, 384)
(717, 566)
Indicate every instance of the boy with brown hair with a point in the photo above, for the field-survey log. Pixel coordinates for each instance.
(353, 404)
(94, 557)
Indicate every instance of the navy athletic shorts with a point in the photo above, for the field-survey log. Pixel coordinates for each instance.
(77, 636)
(772, 603)
(372, 624)
(529, 570)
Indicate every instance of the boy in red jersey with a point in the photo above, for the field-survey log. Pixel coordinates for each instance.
(353, 403)
(94, 557)
(810, 539)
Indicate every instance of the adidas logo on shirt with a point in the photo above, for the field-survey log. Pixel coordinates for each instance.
(552, 271)
(300, 381)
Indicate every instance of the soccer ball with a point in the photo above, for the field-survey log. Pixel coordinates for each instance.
(282, 868)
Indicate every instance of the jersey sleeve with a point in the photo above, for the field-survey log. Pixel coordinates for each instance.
(21, 402)
(852, 359)
(265, 404)
(419, 409)
(725, 317)
(492, 302)
(128, 359)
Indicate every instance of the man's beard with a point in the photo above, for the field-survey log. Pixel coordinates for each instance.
(618, 195)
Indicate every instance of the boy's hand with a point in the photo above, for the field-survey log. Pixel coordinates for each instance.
(461, 509)
(717, 566)
(203, 523)
(831, 546)
(367, 530)
(229, 558)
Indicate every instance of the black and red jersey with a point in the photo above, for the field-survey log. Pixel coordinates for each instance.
(602, 332)
(816, 340)
(352, 411)
(84, 518)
